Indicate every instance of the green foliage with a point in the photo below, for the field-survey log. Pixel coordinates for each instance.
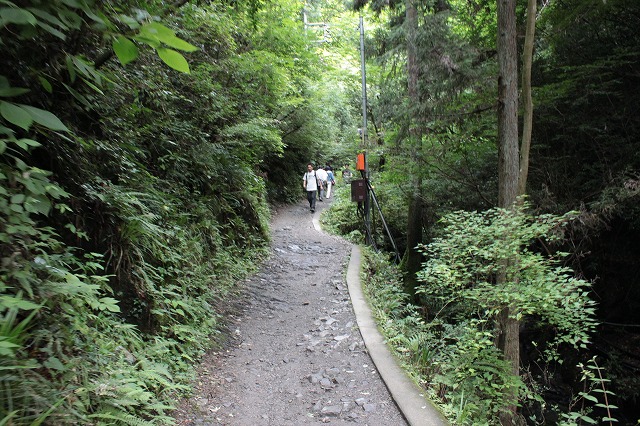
(462, 267)
(66, 309)
(584, 157)
(456, 363)
(342, 218)
(121, 246)
(477, 382)
(583, 111)
(448, 343)
(413, 340)
(454, 162)
(475, 21)
(66, 312)
(594, 396)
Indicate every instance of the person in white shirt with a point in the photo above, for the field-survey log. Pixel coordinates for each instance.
(322, 182)
(310, 184)
(330, 180)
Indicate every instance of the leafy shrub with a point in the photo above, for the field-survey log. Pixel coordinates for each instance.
(462, 267)
(457, 364)
(448, 344)
(342, 218)
(117, 258)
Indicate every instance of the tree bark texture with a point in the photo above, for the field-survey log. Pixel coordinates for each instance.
(509, 344)
(508, 159)
(508, 169)
(412, 261)
(527, 119)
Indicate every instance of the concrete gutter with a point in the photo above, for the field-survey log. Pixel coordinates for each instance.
(416, 408)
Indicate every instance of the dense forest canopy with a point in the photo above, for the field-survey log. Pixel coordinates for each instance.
(143, 142)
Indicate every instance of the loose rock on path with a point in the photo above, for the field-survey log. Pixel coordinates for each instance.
(296, 355)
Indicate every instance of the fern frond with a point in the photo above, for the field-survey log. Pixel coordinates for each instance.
(120, 418)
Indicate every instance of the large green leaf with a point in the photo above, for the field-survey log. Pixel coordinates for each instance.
(12, 91)
(14, 15)
(72, 3)
(26, 143)
(129, 21)
(45, 118)
(167, 36)
(14, 114)
(52, 30)
(45, 84)
(174, 59)
(125, 49)
(17, 303)
(158, 30)
(178, 43)
(48, 17)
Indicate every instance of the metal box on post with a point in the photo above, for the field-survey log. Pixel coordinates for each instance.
(358, 190)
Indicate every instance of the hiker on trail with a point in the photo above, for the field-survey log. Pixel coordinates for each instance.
(322, 182)
(310, 184)
(330, 180)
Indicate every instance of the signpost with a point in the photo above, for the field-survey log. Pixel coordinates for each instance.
(362, 157)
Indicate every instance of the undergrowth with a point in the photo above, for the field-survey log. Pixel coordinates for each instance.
(70, 350)
(448, 343)
(342, 218)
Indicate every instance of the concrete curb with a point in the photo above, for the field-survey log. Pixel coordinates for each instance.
(417, 410)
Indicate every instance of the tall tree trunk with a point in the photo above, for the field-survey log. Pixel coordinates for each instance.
(527, 119)
(412, 258)
(508, 169)
(508, 160)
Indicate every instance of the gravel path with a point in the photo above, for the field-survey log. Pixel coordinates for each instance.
(295, 354)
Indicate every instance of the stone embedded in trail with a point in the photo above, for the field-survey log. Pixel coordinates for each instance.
(332, 372)
(326, 383)
(326, 320)
(369, 408)
(315, 378)
(332, 410)
(352, 417)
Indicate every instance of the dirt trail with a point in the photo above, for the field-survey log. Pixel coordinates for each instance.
(296, 356)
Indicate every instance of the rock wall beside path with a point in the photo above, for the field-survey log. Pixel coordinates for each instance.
(296, 355)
